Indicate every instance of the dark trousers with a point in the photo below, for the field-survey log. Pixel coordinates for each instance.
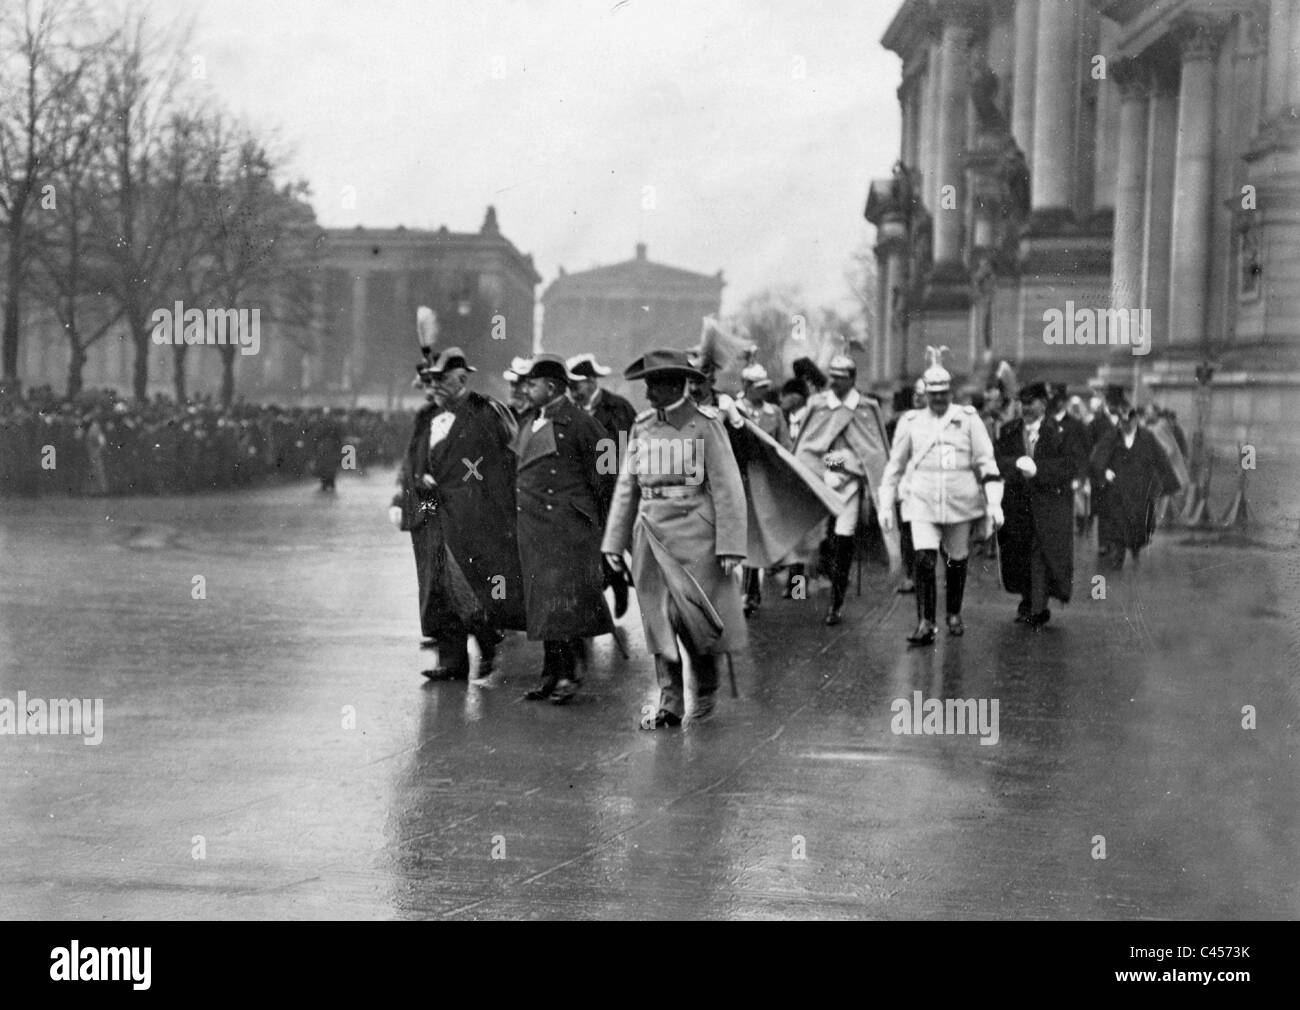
(1111, 555)
(1036, 601)
(905, 543)
(560, 661)
(424, 544)
(669, 675)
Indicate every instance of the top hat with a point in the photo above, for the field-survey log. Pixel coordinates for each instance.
(584, 366)
(549, 366)
(841, 366)
(663, 363)
(1116, 396)
(1033, 391)
(755, 375)
(452, 357)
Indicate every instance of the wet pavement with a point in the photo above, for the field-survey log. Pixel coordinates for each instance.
(280, 730)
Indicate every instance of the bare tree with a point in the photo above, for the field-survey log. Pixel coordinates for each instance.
(862, 276)
(145, 167)
(41, 64)
(66, 278)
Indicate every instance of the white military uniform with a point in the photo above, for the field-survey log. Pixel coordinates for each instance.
(942, 462)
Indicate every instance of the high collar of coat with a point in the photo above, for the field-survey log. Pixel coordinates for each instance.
(681, 412)
(851, 401)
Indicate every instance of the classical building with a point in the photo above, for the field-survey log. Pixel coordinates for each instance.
(1065, 162)
(621, 310)
(356, 341)
(370, 283)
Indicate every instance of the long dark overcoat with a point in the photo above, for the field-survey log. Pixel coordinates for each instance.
(1039, 510)
(1142, 474)
(562, 504)
(463, 529)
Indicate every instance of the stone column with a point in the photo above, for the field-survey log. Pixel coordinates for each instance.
(1022, 97)
(1054, 114)
(1107, 126)
(930, 130)
(356, 348)
(1130, 184)
(1162, 140)
(891, 250)
(1293, 58)
(1193, 185)
(1279, 39)
(954, 96)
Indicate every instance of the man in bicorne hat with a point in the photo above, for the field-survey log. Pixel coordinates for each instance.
(680, 505)
(1038, 462)
(562, 502)
(466, 471)
(844, 440)
(616, 416)
(943, 459)
(519, 403)
(613, 412)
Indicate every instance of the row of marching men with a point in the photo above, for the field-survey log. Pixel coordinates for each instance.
(521, 516)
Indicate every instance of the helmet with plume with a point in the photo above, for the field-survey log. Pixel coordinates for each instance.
(937, 379)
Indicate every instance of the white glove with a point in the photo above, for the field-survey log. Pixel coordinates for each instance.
(1110, 476)
(727, 407)
(996, 517)
(1026, 466)
(428, 481)
(395, 516)
(888, 522)
(615, 561)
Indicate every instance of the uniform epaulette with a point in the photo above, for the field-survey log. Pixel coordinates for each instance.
(709, 412)
(645, 415)
(817, 400)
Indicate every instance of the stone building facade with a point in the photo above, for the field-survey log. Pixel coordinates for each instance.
(355, 340)
(1066, 161)
(619, 311)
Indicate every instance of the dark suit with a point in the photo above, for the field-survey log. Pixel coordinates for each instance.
(1142, 474)
(1037, 540)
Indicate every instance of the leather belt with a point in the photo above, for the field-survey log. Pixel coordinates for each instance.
(672, 491)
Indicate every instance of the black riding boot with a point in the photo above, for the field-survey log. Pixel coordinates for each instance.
(842, 564)
(926, 597)
(954, 588)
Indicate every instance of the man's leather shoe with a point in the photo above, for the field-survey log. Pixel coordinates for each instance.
(443, 673)
(564, 691)
(663, 718)
(923, 635)
(1022, 613)
(1037, 620)
(833, 616)
(955, 627)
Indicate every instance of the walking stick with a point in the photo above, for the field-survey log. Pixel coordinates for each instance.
(731, 676)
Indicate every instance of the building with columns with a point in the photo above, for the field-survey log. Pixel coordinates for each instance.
(618, 312)
(354, 338)
(1068, 160)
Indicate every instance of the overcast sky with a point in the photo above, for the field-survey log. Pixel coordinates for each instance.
(757, 126)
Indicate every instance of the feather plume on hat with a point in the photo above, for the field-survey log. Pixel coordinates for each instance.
(426, 328)
(717, 347)
(1005, 376)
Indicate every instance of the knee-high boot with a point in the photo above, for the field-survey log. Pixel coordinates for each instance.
(954, 588)
(842, 564)
(926, 597)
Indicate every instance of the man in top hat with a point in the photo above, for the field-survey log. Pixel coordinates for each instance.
(613, 412)
(942, 459)
(1037, 542)
(844, 440)
(1132, 470)
(768, 418)
(680, 505)
(465, 473)
(519, 402)
(562, 502)
(1078, 443)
